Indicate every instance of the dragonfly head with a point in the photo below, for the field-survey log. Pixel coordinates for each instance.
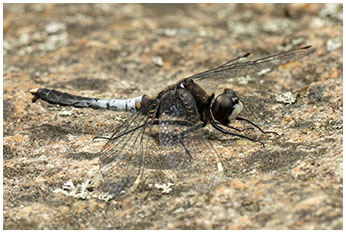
(226, 107)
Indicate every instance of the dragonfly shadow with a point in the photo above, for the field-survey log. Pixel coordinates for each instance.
(48, 131)
(83, 156)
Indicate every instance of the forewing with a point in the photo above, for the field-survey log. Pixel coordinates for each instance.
(248, 67)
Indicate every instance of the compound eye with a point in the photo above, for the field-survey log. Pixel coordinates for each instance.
(226, 107)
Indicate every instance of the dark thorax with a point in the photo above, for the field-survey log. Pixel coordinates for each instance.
(202, 99)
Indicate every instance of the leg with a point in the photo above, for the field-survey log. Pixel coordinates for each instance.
(196, 127)
(155, 122)
(233, 128)
(186, 150)
(216, 126)
(250, 122)
(114, 138)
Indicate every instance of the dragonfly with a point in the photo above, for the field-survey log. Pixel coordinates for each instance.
(165, 138)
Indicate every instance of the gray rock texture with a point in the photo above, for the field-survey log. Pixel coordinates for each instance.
(125, 50)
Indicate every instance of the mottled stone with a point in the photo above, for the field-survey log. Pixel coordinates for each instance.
(125, 50)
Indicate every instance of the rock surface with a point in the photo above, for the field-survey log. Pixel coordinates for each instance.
(124, 50)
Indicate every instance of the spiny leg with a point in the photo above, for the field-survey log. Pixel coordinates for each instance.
(186, 150)
(216, 126)
(123, 134)
(252, 123)
(234, 128)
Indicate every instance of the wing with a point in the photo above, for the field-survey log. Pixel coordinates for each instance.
(187, 150)
(232, 69)
(122, 157)
(152, 148)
